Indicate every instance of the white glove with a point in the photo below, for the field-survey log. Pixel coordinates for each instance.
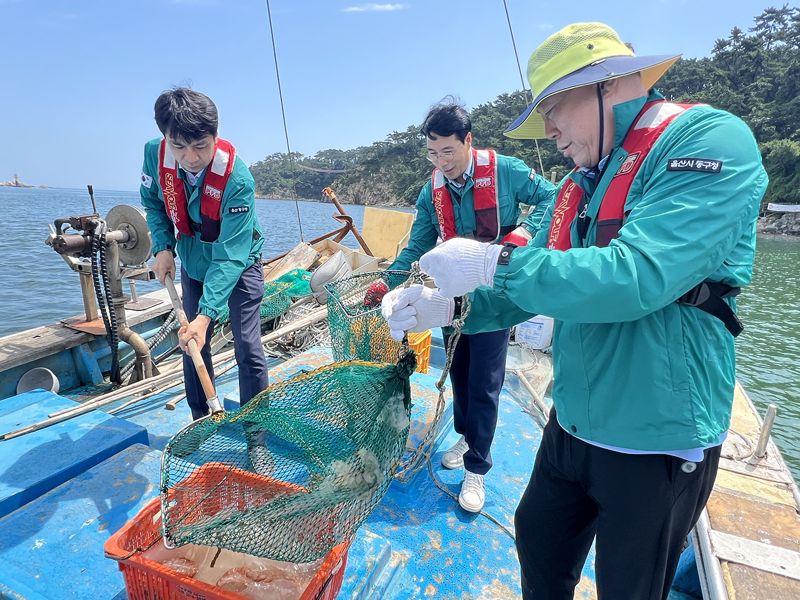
(459, 266)
(416, 308)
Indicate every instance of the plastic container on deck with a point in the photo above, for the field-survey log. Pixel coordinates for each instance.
(536, 332)
(420, 343)
(146, 579)
(38, 378)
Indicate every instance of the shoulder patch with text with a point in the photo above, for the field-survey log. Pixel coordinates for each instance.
(238, 209)
(703, 165)
(532, 174)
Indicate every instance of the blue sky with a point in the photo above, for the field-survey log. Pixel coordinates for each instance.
(79, 78)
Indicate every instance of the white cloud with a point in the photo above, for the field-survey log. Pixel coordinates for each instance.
(374, 7)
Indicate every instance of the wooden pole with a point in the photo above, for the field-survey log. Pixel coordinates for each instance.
(164, 381)
(194, 352)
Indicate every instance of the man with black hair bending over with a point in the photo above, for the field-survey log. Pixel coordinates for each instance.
(199, 197)
(475, 194)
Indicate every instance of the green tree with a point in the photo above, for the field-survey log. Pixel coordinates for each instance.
(781, 158)
(753, 74)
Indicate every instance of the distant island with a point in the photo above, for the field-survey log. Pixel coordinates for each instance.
(15, 183)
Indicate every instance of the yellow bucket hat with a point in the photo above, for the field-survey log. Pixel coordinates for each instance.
(581, 54)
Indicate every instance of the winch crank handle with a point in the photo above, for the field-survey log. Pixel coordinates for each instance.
(194, 352)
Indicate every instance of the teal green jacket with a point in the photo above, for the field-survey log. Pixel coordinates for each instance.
(632, 368)
(218, 264)
(517, 184)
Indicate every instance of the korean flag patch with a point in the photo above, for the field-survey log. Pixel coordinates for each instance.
(146, 181)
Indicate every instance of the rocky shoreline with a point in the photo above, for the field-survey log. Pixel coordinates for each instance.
(783, 224)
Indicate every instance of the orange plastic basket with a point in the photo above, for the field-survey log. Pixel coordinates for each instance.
(420, 343)
(149, 580)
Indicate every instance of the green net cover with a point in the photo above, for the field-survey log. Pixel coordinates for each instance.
(296, 470)
(278, 295)
(299, 283)
(357, 328)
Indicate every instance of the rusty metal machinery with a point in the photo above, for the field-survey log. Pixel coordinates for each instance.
(104, 252)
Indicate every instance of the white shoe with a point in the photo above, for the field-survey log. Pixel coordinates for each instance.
(472, 493)
(454, 458)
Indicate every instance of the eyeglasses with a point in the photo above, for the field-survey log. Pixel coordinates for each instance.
(435, 157)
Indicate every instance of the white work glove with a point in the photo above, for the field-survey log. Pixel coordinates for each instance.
(416, 308)
(459, 266)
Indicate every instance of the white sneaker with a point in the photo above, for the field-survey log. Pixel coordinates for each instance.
(454, 458)
(472, 493)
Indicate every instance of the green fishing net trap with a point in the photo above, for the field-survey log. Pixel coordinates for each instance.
(296, 470)
(278, 296)
(357, 327)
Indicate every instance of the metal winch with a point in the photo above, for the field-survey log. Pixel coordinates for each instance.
(104, 252)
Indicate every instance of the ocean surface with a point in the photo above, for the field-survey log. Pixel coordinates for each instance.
(37, 287)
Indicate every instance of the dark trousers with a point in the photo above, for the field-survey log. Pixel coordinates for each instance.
(245, 307)
(640, 507)
(477, 375)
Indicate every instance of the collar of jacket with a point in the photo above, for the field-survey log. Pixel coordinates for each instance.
(625, 114)
(460, 189)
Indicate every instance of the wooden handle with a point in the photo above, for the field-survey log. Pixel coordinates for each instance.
(194, 352)
(171, 404)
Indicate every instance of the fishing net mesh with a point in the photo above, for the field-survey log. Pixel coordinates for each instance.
(278, 295)
(296, 470)
(357, 327)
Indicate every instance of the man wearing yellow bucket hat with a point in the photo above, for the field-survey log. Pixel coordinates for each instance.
(652, 236)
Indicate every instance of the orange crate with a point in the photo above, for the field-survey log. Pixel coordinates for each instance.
(149, 580)
(420, 343)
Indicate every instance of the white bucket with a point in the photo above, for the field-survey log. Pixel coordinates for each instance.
(38, 378)
(536, 333)
(335, 268)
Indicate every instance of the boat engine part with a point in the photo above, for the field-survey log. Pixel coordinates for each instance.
(104, 252)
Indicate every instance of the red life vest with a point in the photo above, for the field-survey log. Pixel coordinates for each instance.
(484, 198)
(214, 182)
(651, 122)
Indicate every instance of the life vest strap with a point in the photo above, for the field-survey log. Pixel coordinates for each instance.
(709, 296)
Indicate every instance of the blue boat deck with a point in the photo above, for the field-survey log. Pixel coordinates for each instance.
(418, 543)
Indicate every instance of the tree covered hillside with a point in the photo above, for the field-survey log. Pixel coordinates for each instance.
(753, 74)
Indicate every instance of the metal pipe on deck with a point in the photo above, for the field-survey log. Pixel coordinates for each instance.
(144, 362)
(709, 568)
(164, 380)
(766, 429)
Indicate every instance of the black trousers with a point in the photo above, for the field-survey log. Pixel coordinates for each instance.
(477, 375)
(245, 307)
(639, 507)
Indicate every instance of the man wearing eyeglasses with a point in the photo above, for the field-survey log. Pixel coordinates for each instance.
(475, 194)
(653, 236)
